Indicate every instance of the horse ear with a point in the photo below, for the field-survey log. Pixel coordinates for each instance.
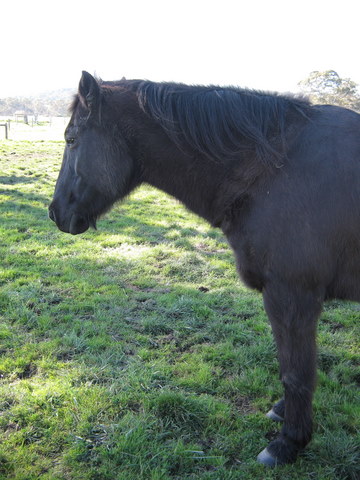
(89, 92)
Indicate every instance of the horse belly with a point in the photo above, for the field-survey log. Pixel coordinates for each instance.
(299, 245)
(345, 284)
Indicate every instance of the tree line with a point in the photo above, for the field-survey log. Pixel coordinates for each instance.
(50, 104)
(325, 87)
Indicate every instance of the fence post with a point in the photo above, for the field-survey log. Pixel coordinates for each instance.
(5, 125)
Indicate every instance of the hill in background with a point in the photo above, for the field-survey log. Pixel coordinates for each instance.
(50, 104)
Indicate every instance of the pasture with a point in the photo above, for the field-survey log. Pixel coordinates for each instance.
(134, 353)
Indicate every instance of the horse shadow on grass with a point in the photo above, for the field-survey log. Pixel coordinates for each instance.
(22, 208)
(149, 232)
(15, 179)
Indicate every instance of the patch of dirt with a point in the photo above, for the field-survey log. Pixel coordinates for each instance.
(29, 371)
(243, 405)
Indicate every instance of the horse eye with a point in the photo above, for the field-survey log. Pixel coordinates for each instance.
(70, 141)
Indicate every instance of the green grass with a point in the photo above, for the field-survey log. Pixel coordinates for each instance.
(134, 352)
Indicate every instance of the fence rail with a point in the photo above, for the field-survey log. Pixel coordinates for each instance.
(44, 128)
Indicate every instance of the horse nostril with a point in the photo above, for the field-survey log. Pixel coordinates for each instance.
(52, 215)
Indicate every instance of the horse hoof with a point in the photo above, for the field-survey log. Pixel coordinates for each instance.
(267, 459)
(274, 416)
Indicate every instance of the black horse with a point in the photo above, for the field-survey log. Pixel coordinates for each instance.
(279, 176)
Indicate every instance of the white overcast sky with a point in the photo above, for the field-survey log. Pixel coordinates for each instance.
(263, 44)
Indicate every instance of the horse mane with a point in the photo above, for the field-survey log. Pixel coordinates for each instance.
(221, 122)
(218, 122)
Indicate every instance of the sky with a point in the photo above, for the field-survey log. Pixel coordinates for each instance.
(262, 44)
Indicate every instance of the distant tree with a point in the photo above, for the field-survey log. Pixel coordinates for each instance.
(329, 88)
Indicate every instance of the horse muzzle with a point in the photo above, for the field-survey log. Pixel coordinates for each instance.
(73, 223)
(78, 224)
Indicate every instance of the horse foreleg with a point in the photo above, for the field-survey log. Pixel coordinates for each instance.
(293, 313)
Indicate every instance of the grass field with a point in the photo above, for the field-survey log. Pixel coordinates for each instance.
(134, 352)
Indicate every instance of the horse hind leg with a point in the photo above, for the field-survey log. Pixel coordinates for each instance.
(293, 313)
(277, 412)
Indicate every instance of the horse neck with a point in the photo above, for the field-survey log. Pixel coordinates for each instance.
(200, 183)
(194, 180)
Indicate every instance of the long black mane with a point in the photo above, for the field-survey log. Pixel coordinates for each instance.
(221, 122)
